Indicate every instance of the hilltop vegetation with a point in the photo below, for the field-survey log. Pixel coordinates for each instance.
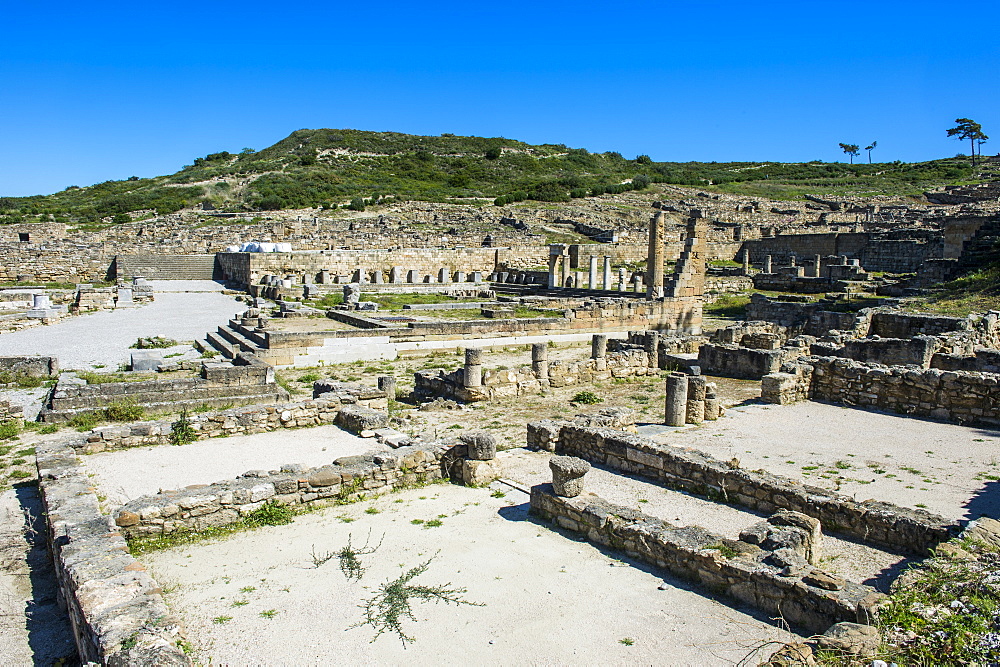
(353, 168)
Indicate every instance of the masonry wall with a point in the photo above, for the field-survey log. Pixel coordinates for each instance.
(695, 554)
(227, 502)
(883, 524)
(958, 396)
(39, 367)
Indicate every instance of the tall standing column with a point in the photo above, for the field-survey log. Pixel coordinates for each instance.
(652, 346)
(606, 283)
(565, 271)
(675, 412)
(654, 258)
(768, 266)
(622, 279)
(473, 376)
(553, 270)
(819, 267)
(592, 274)
(746, 262)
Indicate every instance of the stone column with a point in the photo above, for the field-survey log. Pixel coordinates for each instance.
(768, 266)
(675, 412)
(622, 279)
(473, 376)
(444, 275)
(460, 276)
(746, 262)
(654, 258)
(696, 399)
(637, 283)
(553, 269)
(606, 283)
(819, 267)
(324, 277)
(412, 276)
(599, 346)
(565, 271)
(540, 360)
(592, 274)
(652, 346)
(791, 260)
(387, 383)
(711, 402)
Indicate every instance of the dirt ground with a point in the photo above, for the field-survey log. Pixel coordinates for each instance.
(547, 599)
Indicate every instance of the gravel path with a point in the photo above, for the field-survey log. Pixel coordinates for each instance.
(188, 311)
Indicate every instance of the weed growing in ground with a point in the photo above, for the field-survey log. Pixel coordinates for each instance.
(392, 603)
(181, 431)
(586, 397)
(270, 513)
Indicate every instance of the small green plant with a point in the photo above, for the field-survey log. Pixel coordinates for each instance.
(48, 429)
(498, 494)
(10, 429)
(219, 620)
(125, 410)
(350, 564)
(587, 398)
(181, 431)
(152, 343)
(20, 474)
(271, 513)
(268, 613)
(724, 550)
(240, 603)
(372, 510)
(433, 523)
(248, 589)
(83, 421)
(627, 641)
(392, 603)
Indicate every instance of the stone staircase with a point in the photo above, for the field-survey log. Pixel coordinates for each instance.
(166, 267)
(232, 339)
(983, 248)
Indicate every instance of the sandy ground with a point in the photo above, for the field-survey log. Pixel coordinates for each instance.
(189, 310)
(548, 599)
(130, 473)
(951, 470)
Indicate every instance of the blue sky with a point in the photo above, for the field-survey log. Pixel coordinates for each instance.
(107, 90)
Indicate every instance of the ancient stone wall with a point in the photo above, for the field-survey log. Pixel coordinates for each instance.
(116, 609)
(235, 421)
(218, 385)
(227, 502)
(883, 524)
(812, 599)
(958, 396)
(32, 366)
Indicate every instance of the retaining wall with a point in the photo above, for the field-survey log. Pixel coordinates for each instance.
(958, 396)
(38, 367)
(896, 528)
(695, 554)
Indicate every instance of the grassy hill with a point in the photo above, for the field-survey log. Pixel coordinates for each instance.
(353, 168)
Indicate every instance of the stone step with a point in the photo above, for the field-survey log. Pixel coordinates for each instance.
(238, 340)
(221, 344)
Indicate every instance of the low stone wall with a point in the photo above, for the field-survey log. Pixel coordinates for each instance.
(743, 362)
(982, 361)
(116, 609)
(812, 600)
(958, 396)
(883, 524)
(38, 367)
(218, 385)
(235, 421)
(915, 351)
(346, 480)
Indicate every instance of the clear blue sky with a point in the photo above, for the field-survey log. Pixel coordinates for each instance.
(106, 90)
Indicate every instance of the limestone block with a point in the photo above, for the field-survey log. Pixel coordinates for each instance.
(479, 473)
(853, 638)
(567, 475)
(482, 445)
(543, 435)
(357, 418)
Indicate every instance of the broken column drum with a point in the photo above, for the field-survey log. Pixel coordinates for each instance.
(387, 383)
(676, 400)
(712, 403)
(482, 445)
(473, 376)
(567, 475)
(540, 360)
(696, 399)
